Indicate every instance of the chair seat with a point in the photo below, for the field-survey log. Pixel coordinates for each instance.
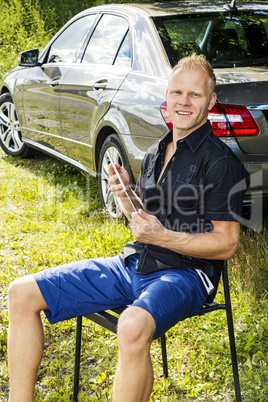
(109, 321)
(106, 319)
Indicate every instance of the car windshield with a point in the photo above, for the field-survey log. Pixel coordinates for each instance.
(238, 40)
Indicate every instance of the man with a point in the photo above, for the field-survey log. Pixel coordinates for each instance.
(184, 229)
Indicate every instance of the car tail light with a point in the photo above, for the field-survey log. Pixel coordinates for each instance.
(226, 120)
(165, 115)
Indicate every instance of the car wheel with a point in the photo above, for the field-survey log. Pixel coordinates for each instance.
(117, 152)
(10, 135)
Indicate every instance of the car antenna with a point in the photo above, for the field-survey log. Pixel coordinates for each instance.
(231, 8)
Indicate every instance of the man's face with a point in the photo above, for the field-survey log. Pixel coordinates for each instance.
(189, 100)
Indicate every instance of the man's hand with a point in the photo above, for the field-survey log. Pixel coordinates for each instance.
(114, 183)
(146, 228)
(129, 201)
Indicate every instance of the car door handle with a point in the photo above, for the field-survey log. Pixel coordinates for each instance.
(55, 82)
(101, 84)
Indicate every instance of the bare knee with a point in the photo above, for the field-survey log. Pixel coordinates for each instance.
(24, 296)
(136, 328)
(19, 294)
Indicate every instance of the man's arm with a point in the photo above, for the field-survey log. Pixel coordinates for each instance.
(221, 244)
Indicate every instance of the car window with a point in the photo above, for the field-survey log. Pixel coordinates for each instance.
(238, 40)
(106, 40)
(123, 57)
(65, 48)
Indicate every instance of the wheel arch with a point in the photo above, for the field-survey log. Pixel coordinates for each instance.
(5, 90)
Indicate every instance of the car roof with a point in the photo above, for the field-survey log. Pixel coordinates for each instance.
(181, 7)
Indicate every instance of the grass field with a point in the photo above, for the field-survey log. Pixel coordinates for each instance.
(50, 214)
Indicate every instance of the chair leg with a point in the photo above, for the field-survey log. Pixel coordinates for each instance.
(231, 337)
(164, 355)
(77, 358)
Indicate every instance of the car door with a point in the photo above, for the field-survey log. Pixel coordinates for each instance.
(42, 85)
(89, 87)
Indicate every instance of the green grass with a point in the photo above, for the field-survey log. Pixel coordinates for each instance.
(50, 214)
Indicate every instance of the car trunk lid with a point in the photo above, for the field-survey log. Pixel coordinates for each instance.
(247, 87)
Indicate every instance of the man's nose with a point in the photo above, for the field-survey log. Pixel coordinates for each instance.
(184, 99)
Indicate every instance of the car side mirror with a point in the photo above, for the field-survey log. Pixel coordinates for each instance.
(29, 58)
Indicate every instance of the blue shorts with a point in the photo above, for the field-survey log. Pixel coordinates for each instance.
(89, 286)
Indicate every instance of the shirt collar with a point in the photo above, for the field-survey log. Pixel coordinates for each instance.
(193, 140)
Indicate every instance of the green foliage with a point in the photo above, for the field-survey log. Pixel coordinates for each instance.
(56, 14)
(50, 214)
(21, 28)
(251, 262)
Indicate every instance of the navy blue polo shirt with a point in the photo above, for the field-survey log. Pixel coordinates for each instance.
(203, 181)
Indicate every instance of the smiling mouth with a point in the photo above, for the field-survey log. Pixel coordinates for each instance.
(179, 112)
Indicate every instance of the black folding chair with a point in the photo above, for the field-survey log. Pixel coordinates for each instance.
(109, 321)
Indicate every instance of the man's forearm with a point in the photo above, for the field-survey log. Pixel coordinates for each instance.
(215, 245)
(220, 244)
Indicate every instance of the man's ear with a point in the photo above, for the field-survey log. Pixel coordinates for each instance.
(212, 101)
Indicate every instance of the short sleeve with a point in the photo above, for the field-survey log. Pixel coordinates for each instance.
(225, 186)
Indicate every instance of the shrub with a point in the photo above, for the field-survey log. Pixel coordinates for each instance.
(21, 28)
(251, 262)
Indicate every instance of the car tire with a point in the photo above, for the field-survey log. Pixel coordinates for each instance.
(117, 152)
(10, 135)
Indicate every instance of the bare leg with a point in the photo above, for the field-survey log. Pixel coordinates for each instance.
(25, 337)
(134, 374)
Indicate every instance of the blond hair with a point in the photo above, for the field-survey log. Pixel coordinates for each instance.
(195, 62)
